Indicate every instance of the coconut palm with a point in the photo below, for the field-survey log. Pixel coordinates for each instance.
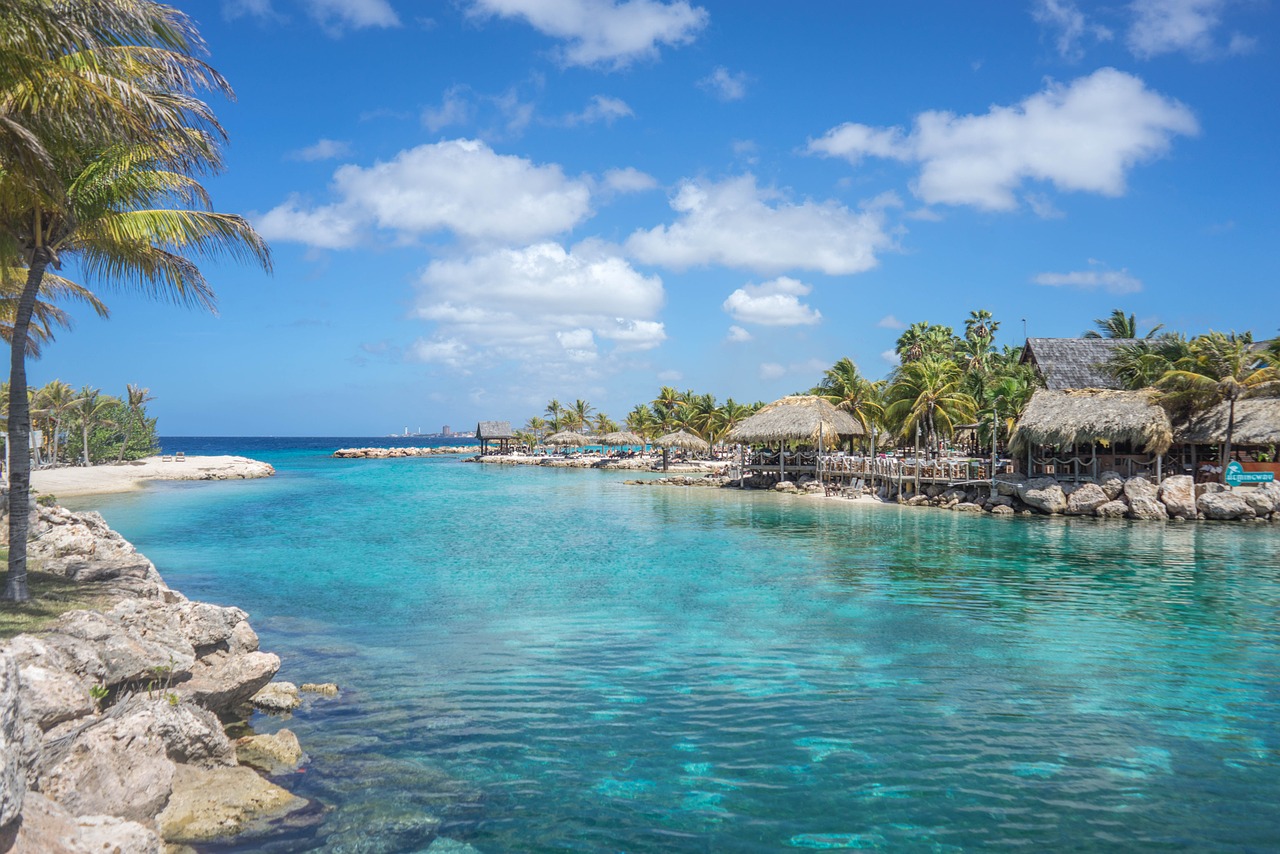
(604, 424)
(848, 389)
(55, 400)
(927, 392)
(641, 421)
(46, 315)
(135, 400)
(925, 339)
(554, 411)
(536, 427)
(1141, 363)
(91, 407)
(1119, 325)
(666, 407)
(580, 415)
(699, 415)
(730, 414)
(1221, 367)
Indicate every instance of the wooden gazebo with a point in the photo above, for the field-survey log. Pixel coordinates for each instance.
(494, 431)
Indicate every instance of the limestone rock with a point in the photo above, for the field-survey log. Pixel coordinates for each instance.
(1178, 494)
(1209, 489)
(1043, 494)
(1002, 510)
(1007, 484)
(1223, 506)
(82, 546)
(1087, 498)
(103, 649)
(784, 486)
(273, 753)
(54, 695)
(222, 680)
(1112, 510)
(212, 803)
(206, 625)
(106, 834)
(1112, 484)
(192, 735)
(1261, 502)
(277, 697)
(115, 765)
(967, 507)
(329, 689)
(47, 828)
(17, 742)
(1147, 508)
(917, 500)
(1139, 487)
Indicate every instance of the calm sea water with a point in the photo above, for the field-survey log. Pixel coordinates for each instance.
(550, 660)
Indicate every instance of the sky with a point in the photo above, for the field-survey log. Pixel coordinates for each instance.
(476, 206)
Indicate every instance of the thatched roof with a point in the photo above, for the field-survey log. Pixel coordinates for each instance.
(621, 438)
(1257, 423)
(565, 437)
(494, 430)
(1066, 363)
(1082, 416)
(682, 439)
(799, 417)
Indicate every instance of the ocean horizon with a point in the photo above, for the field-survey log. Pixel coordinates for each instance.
(540, 659)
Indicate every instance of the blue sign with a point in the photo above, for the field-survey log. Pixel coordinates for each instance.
(1236, 475)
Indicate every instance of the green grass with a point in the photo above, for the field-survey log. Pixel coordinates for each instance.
(51, 596)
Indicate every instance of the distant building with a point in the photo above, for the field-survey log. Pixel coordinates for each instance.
(446, 431)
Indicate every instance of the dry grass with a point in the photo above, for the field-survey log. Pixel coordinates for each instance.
(51, 597)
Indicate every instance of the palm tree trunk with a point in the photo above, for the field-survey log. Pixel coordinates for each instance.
(128, 423)
(1231, 428)
(57, 425)
(20, 432)
(84, 432)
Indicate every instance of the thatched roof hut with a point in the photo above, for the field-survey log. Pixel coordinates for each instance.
(802, 417)
(494, 431)
(621, 437)
(566, 437)
(1067, 363)
(1257, 423)
(1083, 416)
(684, 440)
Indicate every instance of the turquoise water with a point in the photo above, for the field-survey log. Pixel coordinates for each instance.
(550, 660)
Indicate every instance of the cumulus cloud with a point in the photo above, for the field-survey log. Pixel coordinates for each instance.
(601, 108)
(337, 16)
(772, 371)
(325, 149)
(725, 85)
(737, 224)
(454, 109)
(604, 32)
(629, 180)
(1111, 281)
(538, 305)
(1081, 137)
(774, 303)
(1170, 26)
(1071, 26)
(461, 186)
(890, 322)
(890, 356)
(737, 335)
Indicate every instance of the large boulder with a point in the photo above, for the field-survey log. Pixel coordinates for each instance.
(1112, 484)
(1112, 510)
(1087, 498)
(212, 803)
(1178, 494)
(223, 680)
(1147, 508)
(17, 742)
(1140, 487)
(83, 547)
(1043, 494)
(99, 646)
(1261, 502)
(1007, 484)
(277, 697)
(47, 828)
(1223, 506)
(273, 753)
(1002, 510)
(967, 507)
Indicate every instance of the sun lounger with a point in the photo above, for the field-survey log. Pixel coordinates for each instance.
(180, 457)
(166, 459)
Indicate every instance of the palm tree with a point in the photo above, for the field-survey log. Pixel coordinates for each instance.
(665, 407)
(698, 414)
(1141, 363)
(110, 203)
(604, 424)
(580, 414)
(91, 407)
(46, 315)
(730, 414)
(136, 399)
(537, 428)
(848, 389)
(1221, 368)
(640, 420)
(927, 392)
(56, 399)
(925, 339)
(554, 410)
(1119, 325)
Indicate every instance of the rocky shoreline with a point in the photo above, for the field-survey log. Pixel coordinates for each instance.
(111, 720)
(596, 461)
(396, 453)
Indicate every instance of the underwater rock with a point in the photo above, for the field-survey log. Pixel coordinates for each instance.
(212, 803)
(277, 697)
(273, 753)
(328, 689)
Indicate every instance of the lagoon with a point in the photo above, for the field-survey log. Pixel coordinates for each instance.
(550, 660)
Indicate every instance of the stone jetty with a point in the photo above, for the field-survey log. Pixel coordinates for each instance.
(396, 453)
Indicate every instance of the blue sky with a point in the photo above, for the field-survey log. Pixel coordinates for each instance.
(478, 205)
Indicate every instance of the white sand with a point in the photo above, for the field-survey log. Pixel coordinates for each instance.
(124, 477)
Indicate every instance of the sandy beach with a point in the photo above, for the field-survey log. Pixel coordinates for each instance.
(124, 477)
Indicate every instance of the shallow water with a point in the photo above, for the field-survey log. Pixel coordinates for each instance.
(549, 660)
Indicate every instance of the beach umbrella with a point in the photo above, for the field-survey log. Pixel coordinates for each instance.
(620, 438)
(680, 439)
(566, 437)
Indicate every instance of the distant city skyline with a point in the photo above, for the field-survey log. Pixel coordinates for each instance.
(478, 206)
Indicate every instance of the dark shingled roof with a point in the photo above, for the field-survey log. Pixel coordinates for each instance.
(494, 430)
(1068, 363)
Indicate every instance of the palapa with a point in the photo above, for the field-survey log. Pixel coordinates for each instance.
(1083, 416)
(622, 437)
(565, 437)
(801, 417)
(1257, 422)
(683, 440)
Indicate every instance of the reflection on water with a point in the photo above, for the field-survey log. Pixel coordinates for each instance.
(542, 660)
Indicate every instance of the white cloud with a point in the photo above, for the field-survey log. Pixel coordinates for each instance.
(670, 376)
(444, 351)
(629, 180)
(539, 305)
(335, 16)
(890, 356)
(1071, 25)
(890, 322)
(1081, 137)
(1169, 26)
(774, 303)
(725, 85)
(737, 335)
(325, 149)
(605, 32)
(455, 109)
(772, 371)
(233, 9)
(503, 115)
(737, 224)
(461, 186)
(601, 108)
(1112, 281)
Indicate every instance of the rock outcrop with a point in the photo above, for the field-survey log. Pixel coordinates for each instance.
(1043, 494)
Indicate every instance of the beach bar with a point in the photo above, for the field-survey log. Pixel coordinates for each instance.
(810, 422)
